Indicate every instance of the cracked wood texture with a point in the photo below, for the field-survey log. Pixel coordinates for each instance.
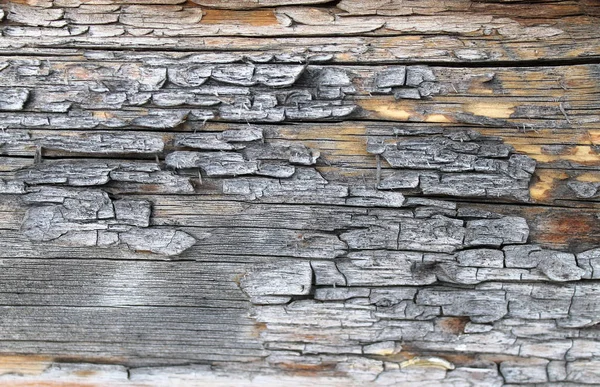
(299, 192)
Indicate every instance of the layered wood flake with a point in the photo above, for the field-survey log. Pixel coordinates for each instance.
(299, 192)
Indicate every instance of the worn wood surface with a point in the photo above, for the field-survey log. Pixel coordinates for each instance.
(265, 192)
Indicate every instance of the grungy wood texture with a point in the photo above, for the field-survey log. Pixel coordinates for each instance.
(306, 192)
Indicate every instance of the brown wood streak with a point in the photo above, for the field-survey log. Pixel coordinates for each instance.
(28, 365)
(252, 18)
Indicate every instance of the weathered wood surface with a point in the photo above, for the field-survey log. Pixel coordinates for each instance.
(299, 192)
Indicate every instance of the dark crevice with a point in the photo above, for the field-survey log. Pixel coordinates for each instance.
(121, 306)
(91, 156)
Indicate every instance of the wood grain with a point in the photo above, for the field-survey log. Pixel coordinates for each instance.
(259, 193)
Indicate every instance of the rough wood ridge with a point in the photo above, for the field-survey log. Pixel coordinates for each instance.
(199, 192)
